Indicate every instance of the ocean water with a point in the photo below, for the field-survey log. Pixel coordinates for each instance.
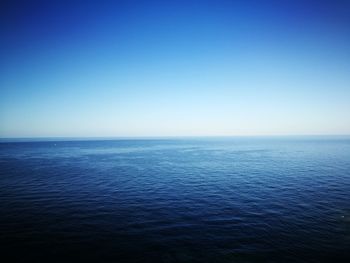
(283, 199)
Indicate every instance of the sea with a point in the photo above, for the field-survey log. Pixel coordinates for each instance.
(200, 199)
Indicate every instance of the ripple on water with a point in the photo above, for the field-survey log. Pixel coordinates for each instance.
(232, 200)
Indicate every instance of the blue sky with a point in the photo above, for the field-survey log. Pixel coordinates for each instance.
(174, 68)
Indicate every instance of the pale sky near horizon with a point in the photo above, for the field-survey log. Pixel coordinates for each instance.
(174, 68)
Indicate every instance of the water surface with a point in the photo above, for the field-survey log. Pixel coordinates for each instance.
(250, 199)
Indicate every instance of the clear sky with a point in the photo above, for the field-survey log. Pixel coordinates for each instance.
(174, 68)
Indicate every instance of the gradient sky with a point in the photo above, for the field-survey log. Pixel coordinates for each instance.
(164, 68)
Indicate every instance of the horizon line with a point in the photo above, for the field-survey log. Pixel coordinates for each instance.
(154, 137)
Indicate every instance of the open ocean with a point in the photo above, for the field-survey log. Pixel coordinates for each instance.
(240, 199)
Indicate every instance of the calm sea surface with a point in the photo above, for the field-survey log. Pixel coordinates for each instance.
(180, 200)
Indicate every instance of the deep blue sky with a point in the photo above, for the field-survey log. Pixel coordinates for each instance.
(153, 68)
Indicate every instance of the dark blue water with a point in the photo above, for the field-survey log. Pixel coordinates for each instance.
(180, 200)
